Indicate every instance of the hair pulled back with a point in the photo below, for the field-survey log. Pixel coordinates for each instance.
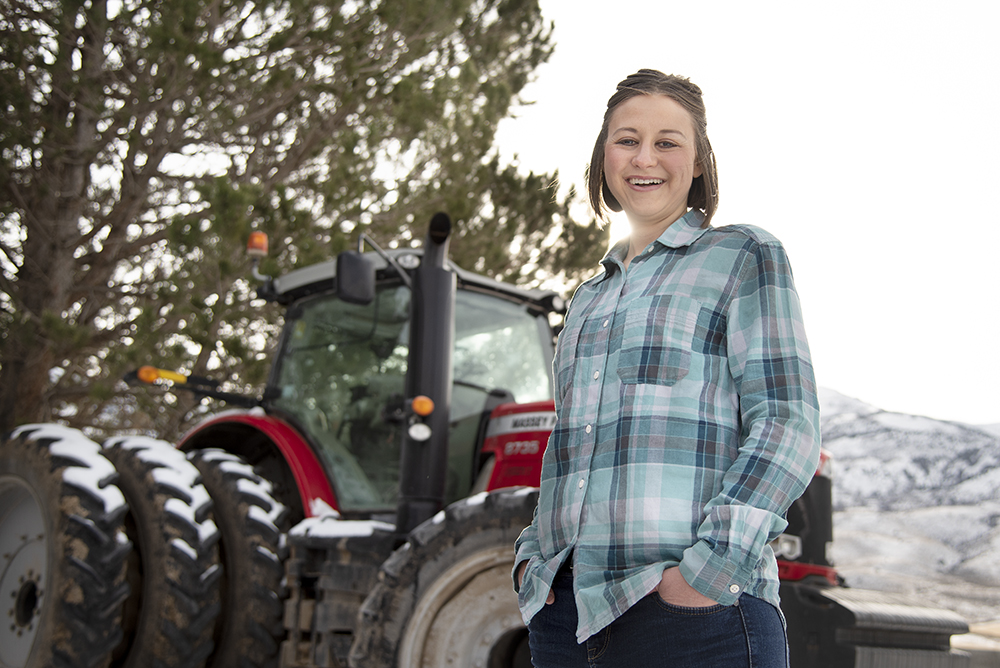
(704, 193)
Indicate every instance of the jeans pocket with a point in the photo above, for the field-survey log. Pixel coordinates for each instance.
(688, 612)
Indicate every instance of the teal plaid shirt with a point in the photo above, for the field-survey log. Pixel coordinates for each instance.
(687, 424)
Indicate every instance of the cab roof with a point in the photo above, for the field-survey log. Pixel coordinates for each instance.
(321, 277)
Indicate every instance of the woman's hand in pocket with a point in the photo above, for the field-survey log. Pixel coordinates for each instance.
(675, 590)
(549, 600)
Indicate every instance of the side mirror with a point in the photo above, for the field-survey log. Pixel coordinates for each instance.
(355, 278)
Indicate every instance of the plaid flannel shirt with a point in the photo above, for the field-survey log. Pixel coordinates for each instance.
(687, 424)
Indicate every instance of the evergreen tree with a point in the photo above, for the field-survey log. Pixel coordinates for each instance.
(143, 140)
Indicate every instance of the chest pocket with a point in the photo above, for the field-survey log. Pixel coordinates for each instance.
(657, 339)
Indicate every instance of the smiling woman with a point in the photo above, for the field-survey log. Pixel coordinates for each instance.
(635, 103)
(650, 162)
(686, 417)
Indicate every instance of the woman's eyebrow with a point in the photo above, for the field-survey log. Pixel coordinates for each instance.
(661, 132)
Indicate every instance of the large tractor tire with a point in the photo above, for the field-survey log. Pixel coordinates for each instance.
(62, 551)
(249, 631)
(445, 597)
(174, 569)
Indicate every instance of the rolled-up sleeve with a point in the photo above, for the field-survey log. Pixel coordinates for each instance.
(779, 446)
(525, 547)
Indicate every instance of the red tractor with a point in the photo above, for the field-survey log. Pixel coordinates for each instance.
(362, 511)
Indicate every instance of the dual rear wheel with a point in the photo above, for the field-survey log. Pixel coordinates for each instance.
(63, 551)
(136, 555)
(133, 554)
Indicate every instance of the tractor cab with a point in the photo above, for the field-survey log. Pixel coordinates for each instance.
(340, 372)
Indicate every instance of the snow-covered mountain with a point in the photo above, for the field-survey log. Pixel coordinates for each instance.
(917, 508)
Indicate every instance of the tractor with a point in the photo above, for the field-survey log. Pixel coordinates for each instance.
(362, 511)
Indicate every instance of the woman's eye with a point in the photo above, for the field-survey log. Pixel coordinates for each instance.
(666, 144)
(627, 142)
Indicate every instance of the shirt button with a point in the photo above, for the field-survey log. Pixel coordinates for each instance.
(605, 323)
(581, 487)
(588, 429)
(597, 374)
(735, 589)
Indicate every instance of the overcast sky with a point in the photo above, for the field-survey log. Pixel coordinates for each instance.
(863, 134)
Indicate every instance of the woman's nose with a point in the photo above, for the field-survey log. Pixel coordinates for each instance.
(644, 156)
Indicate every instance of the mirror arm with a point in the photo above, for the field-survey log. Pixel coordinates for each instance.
(362, 238)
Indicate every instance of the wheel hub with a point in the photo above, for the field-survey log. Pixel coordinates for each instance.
(27, 604)
(23, 548)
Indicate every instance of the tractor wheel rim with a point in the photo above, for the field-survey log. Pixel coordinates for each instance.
(23, 570)
(451, 627)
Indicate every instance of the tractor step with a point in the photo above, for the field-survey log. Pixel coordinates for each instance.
(333, 565)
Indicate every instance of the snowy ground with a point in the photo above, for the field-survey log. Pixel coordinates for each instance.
(917, 509)
(904, 552)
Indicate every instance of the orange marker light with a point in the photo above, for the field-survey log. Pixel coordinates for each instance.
(422, 406)
(257, 244)
(149, 374)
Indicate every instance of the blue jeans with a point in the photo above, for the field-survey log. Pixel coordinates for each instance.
(654, 633)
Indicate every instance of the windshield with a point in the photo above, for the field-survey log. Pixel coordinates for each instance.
(341, 377)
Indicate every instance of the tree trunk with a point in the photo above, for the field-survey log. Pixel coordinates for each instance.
(24, 378)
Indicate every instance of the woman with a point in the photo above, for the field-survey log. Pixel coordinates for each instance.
(687, 417)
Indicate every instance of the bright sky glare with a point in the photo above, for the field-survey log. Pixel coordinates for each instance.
(862, 133)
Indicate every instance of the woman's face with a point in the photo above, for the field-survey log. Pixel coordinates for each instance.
(649, 159)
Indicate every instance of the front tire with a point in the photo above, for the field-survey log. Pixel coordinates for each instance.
(62, 550)
(445, 598)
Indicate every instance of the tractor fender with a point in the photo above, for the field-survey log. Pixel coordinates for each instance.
(234, 430)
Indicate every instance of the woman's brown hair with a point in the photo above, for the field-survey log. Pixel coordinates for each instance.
(704, 193)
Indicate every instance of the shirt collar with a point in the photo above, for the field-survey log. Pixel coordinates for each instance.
(683, 232)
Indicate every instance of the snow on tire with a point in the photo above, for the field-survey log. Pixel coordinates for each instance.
(445, 597)
(249, 631)
(62, 550)
(174, 570)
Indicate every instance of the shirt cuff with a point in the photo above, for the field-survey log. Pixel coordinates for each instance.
(513, 575)
(714, 576)
(524, 553)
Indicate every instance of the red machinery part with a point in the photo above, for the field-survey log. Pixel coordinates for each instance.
(516, 437)
(310, 475)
